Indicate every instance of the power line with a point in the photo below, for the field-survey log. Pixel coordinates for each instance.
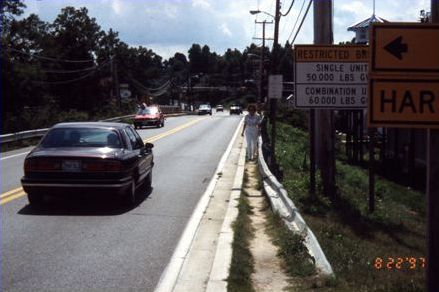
(73, 80)
(297, 19)
(289, 9)
(69, 71)
(50, 58)
(65, 81)
(303, 19)
(161, 87)
(288, 22)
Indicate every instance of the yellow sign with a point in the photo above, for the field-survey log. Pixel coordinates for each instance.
(404, 48)
(412, 103)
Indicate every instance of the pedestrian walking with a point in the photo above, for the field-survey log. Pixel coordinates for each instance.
(251, 129)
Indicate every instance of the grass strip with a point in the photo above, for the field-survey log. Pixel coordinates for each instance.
(291, 248)
(242, 266)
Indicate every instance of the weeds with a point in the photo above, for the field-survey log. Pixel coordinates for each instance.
(292, 249)
(242, 265)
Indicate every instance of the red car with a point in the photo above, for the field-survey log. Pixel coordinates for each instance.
(149, 116)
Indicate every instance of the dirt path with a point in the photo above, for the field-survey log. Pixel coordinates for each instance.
(268, 275)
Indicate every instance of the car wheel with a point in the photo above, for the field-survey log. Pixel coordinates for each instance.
(130, 197)
(35, 199)
(148, 181)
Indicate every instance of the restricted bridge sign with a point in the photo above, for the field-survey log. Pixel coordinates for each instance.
(331, 76)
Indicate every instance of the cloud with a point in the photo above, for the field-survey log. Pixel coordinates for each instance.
(225, 30)
(171, 11)
(166, 51)
(117, 6)
(204, 4)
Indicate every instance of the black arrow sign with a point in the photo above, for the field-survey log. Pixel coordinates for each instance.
(396, 47)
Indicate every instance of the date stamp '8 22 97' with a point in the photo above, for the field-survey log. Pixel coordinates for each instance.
(399, 263)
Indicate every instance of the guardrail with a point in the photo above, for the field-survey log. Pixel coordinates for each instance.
(13, 137)
(284, 206)
(22, 135)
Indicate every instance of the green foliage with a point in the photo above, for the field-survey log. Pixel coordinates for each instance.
(36, 60)
(350, 236)
(292, 249)
(38, 90)
(291, 116)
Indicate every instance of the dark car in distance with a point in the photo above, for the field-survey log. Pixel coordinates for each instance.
(219, 108)
(149, 116)
(88, 157)
(235, 109)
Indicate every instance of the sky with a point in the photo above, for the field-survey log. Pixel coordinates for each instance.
(170, 26)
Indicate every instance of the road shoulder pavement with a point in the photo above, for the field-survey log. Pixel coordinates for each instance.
(206, 265)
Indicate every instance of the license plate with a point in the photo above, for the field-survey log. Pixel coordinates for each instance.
(71, 165)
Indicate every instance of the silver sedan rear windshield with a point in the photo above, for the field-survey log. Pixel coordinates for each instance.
(81, 137)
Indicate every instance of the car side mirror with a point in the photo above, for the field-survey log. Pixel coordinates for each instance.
(149, 146)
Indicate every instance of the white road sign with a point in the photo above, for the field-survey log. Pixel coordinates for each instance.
(275, 86)
(331, 76)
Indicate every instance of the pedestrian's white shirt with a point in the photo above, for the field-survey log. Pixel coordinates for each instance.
(252, 122)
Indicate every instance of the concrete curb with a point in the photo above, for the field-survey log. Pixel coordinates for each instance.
(169, 277)
(223, 255)
(284, 206)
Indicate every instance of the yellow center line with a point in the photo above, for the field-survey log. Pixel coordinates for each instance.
(11, 198)
(11, 192)
(19, 192)
(172, 131)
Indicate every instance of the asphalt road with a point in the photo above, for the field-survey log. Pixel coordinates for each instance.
(84, 244)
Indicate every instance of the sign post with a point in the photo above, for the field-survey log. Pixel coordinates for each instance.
(404, 92)
(329, 77)
(275, 89)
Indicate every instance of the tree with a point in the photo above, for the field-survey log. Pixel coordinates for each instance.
(77, 37)
(195, 59)
(9, 9)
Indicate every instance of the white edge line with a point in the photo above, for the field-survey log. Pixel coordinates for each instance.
(170, 275)
(219, 273)
(15, 155)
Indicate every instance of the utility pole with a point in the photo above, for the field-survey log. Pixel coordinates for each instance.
(323, 34)
(433, 192)
(276, 26)
(115, 78)
(261, 65)
(273, 101)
